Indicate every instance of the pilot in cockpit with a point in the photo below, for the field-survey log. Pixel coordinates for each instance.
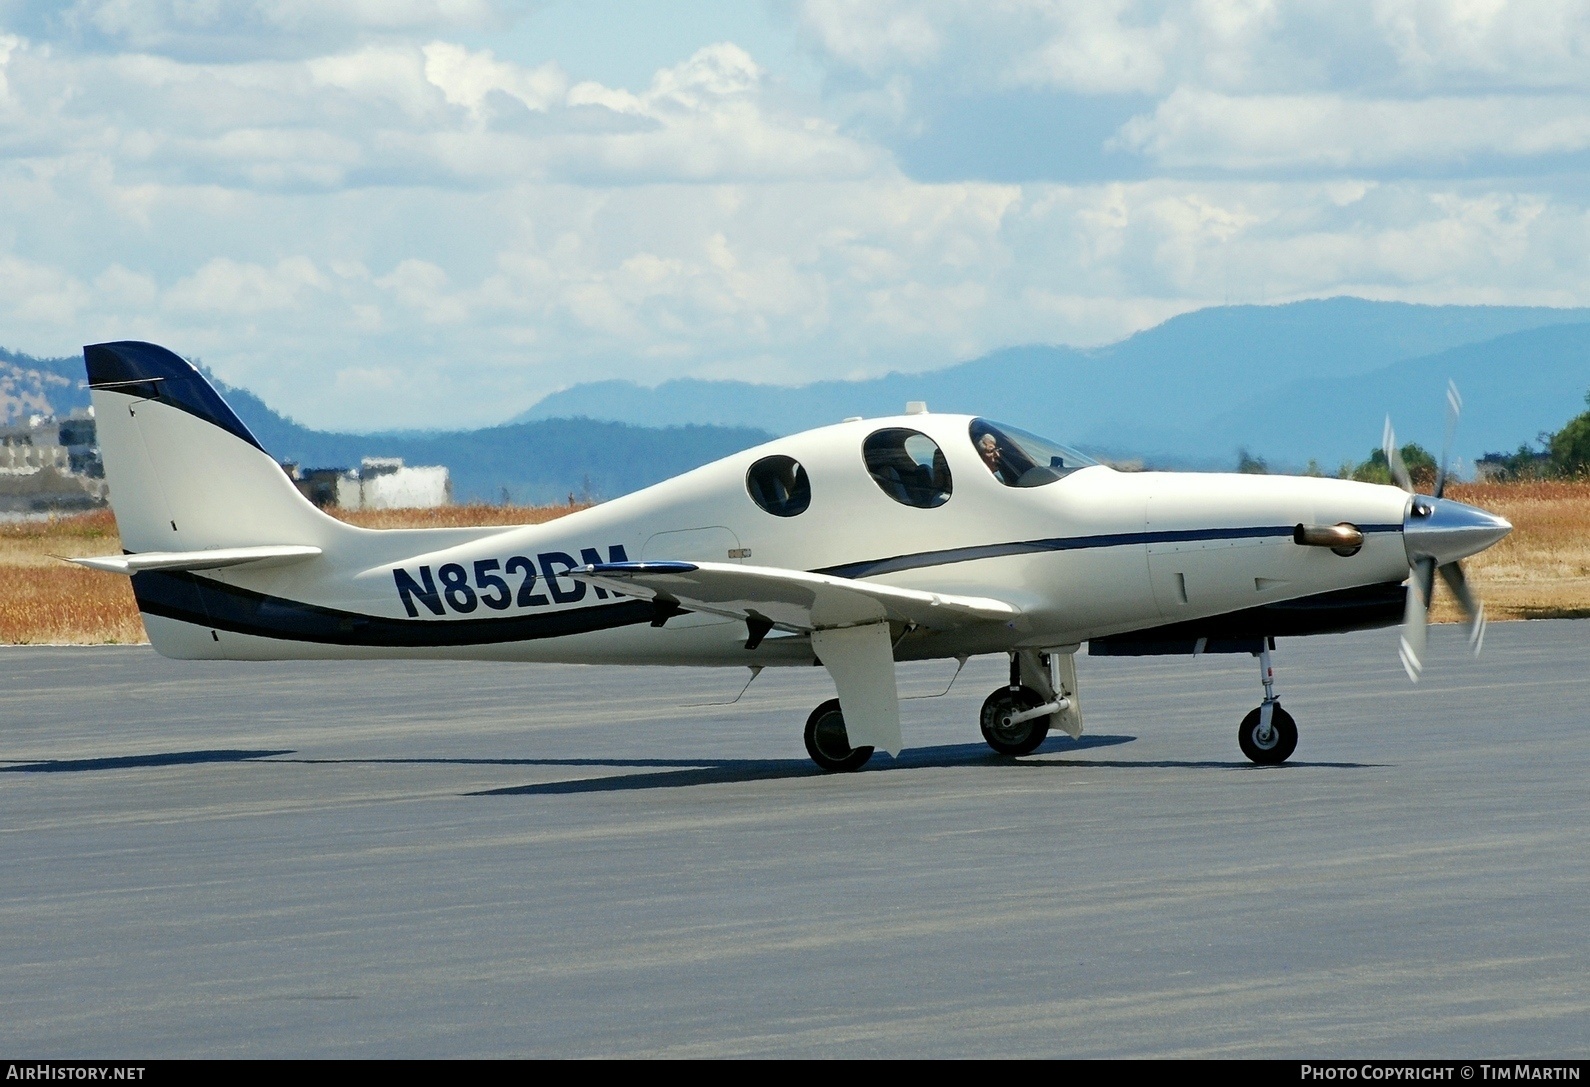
(989, 449)
(1019, 459)
(993, 456)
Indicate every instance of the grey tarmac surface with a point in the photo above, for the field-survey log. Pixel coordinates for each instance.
(400, 859)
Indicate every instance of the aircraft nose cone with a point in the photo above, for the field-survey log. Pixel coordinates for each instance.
(1443, 530)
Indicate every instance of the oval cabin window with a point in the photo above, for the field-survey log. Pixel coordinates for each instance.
(779, 485)
(908, 466)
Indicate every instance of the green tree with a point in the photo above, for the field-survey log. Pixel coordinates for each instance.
(1570, 446)
(1565, 453)
(1249, 465)
(1418, 460)
(1524, 463)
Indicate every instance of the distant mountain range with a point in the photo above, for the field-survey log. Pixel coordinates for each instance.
(30, 386)
(1290, 383)
(537, 462)
(526, 463)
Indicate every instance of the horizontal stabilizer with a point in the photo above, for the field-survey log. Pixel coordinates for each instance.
(213, 559)
(793, 600)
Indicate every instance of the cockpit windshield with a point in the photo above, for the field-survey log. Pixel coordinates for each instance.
(1019, 459)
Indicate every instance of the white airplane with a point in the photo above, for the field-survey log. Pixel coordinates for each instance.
(853, 546)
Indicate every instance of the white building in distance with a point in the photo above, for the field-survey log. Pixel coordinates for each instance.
(383, 483)
(49, 464)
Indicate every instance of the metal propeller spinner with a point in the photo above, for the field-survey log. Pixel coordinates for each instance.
(1437, 533)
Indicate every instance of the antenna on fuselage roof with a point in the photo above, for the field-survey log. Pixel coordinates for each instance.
(916, 407)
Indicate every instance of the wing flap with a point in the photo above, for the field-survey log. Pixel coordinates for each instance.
(794, 600)
(861, 660)
(213, 559)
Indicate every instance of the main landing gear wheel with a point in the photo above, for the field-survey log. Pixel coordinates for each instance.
(828, 743)
(1008, 739)
(1274, 748)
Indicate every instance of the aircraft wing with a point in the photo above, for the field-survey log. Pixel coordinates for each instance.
(793, 600)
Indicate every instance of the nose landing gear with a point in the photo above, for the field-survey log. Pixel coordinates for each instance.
(1268, 734)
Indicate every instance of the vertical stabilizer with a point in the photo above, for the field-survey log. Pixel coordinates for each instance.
(185, 474)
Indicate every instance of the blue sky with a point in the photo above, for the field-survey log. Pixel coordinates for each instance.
(432, 212)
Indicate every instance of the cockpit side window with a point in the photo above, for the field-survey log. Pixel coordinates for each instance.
(779, 485)
(908, 466)
(1019, 459)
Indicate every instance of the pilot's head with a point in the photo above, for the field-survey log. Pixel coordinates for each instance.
(989, 449)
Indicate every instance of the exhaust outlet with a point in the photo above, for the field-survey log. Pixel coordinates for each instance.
(1344, 539)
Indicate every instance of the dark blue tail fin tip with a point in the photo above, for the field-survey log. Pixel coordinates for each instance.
(150, 372)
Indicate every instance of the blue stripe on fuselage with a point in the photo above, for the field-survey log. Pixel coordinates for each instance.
(205, 602)
(922, 559)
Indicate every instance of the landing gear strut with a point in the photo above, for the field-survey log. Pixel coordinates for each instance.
(828, 743)
(1015, 719)
(1267, 735)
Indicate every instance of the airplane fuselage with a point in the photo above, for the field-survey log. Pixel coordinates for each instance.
(1095, 553)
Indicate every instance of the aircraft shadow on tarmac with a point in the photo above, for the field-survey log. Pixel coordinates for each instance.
(126, 762)
(684, 773)
(681, 773)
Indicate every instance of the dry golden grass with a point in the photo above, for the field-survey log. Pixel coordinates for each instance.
(1541, 571)
(455, 516)
(44, 600)
(39, 543)
(62, 604)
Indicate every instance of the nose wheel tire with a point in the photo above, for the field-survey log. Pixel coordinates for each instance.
(828, 743)
(1008, 739)
(1271, 750)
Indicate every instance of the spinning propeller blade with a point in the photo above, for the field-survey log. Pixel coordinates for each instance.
(1399, 471)
(1454, 407)
(1452, 574)
(1416, 617)
(1422, 567)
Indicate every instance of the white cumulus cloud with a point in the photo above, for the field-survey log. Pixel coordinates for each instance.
(236, 29)
(374, 221)
(1206, 129)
